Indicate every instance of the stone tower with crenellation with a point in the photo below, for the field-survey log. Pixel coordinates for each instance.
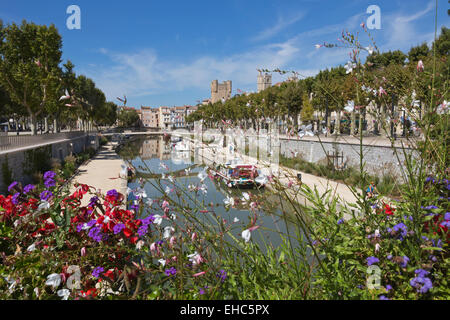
(264, 81)
(220, 91)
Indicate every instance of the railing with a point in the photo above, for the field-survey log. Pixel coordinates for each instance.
(13, 142)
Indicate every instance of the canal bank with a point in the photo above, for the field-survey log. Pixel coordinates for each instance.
(102, 172)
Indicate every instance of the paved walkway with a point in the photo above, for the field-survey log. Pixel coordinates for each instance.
(102, 172)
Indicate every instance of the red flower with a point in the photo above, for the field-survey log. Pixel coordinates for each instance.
(388, 210)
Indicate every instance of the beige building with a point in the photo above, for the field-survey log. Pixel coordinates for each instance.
(149, 117)
(264, 81)
(220, 91)
(164, 118)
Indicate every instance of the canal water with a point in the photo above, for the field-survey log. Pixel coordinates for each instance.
(165, 172)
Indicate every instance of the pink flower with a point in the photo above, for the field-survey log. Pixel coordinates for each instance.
(194, 236)
(381, 91)
(199, 274)
(420, 66)
(363, 25)
(83, 251)
(153, 247)
(172, 240)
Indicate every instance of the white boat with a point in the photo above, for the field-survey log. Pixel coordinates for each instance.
(181, 146)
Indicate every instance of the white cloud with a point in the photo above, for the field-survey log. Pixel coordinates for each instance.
(281, 24)
(144, 72)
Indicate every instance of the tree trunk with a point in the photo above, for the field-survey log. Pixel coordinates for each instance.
(33, 123)
(337, 127)
(46, 125)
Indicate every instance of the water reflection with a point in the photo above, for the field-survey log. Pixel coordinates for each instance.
(166, 173)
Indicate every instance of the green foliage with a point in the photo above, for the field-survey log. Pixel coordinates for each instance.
(6, 173)
(37, 160)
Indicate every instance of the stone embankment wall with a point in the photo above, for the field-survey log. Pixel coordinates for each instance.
(379, 160)
(18, 165)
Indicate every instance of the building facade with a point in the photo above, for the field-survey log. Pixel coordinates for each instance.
(149, 117)
(220, 91)
(264, 81)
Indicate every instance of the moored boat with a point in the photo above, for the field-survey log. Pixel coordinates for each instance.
(240, 175)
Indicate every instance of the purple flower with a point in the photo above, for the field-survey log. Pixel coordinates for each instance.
(93, 201)
(118, 228)
(12, 185)
(421, 283)
(148, 220)
(49, 183)
(171, 271)
(341, 221)
(80, 227)
(112, 193)
(45, 195)
(97, 271)
(28, 188)
(95, 234)
(15, 198)
(222, 274)
(384, 298)
(388, 287)
(421, 273)
(49, 175)
(135, 207)
(372, 260)
(430, 207)
(402, 228)
(142, 231)
(91, 223)
(405, 261)
(389, 257)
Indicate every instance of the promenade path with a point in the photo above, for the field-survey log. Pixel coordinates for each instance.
(99, 170)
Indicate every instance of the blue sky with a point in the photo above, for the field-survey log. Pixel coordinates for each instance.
(167, 52)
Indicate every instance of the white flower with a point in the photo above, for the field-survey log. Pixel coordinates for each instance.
(139, 244)
(350, 106)
(149, 202)
(44, 205)
(377, 247)
(171, 179)
(202, 175)
(188, 170)
(173, 216)
(167, 232)
(229, 201)
(162, 261)
(443, 107)
(31, 248)
(245, 197)
(158, 219)
(107, 219)
(167, 190)
(377, 233)
(369, 49)
(63, 293)
(204, 189)
(246, 234)
(349, 67)
(140, 192)
(195, 258)
(53, 280)
(235, 220)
